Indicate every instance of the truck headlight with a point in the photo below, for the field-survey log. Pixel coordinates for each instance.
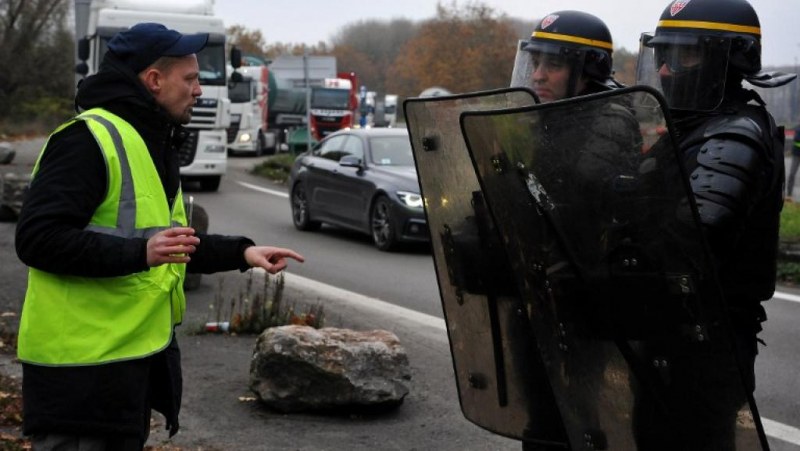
(244, 138)
(412, 200)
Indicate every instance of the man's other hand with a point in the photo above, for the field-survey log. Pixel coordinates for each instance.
(171, 246)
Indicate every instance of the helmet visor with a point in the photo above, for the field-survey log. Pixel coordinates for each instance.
(550, 70)
(689, 70)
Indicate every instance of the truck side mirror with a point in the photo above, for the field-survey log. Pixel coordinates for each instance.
(236, 57)
(83, 49)
(236, 77)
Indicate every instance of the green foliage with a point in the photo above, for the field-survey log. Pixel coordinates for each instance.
(275, 168)
(790, 223)
(788, 272)
(788, 267)
(36, 54)
(251, 312)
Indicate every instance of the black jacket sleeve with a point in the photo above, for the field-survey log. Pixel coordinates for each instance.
(65, 192)
(219, 253)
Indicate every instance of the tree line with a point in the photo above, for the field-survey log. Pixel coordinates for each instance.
(463, 48)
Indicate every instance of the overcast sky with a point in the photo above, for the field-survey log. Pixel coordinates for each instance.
(311, 21)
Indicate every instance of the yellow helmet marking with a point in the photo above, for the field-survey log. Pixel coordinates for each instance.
(574, 39)
(709, 26)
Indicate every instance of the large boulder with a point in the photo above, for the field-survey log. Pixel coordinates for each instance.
(299, 368)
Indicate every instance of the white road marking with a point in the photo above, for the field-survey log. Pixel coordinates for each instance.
(263, 190)
(786, 296)
(780, 431)
(339, 295)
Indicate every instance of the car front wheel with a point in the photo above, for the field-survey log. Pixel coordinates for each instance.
(301, 216)
(383, 233)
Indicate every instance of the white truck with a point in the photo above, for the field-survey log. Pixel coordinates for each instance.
(248, 132)
(203, 157)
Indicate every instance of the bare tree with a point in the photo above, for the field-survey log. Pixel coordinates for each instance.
(369, 48)
(463, 49)
(36, 53)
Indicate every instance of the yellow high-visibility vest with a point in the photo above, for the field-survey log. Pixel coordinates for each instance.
(70, 320)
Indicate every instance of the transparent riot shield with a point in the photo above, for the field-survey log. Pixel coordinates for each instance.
(594, 211)
(501, 382)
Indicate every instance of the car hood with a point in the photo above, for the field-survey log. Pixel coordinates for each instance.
(405, 177)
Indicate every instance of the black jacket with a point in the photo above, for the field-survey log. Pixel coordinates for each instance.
(62, 198)
(745, 242)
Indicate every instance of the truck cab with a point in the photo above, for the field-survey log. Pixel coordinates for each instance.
(248, 132)
(203, 157)
(331, 109)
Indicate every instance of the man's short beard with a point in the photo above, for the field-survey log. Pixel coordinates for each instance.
(186, 117)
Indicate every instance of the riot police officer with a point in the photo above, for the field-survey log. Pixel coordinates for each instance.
(569, 53)
(698, 57)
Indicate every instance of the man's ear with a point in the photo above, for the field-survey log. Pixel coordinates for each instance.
(151, 79)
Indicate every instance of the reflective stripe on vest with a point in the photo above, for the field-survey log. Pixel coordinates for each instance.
(70, 320)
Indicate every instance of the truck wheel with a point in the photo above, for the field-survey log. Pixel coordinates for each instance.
(271, 149)
(210, 183)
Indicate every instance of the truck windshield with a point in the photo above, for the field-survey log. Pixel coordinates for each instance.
(212, 64)
(240, 92)
(211, 60)
(332, 99)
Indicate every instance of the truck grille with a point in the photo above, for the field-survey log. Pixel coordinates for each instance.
(232, 131)
(188, 148)
(203, 119)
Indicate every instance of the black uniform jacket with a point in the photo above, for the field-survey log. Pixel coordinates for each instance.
(63, 196)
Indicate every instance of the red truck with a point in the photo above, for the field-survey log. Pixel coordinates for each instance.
(334, 105)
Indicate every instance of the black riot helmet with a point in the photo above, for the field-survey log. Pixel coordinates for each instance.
(698, 47)
(576, 38)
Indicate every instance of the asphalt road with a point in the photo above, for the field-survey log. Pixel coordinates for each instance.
(218, 411)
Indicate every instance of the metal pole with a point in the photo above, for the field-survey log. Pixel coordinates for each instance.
(308, 98)
(795, 94)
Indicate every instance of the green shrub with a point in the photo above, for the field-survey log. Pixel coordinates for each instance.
(788, 272)
(790, 222)
(275, 168)
(251, 312)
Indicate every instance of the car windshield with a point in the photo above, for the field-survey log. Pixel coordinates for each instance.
(391, 151)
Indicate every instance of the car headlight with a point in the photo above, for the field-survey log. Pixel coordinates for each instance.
(412, 200)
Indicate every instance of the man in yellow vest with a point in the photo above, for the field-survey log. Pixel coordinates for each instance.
(105, 234)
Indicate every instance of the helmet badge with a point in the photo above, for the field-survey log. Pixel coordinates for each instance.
(547, 21)
(678, 6)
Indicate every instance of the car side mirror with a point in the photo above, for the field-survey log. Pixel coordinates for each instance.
(350, 161)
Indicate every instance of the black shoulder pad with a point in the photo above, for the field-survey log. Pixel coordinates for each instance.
(736, 125)
(725, 179)
(735, 158)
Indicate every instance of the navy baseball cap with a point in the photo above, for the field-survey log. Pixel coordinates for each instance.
(141, 45)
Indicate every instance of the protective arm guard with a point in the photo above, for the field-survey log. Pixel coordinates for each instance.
(731, 170)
